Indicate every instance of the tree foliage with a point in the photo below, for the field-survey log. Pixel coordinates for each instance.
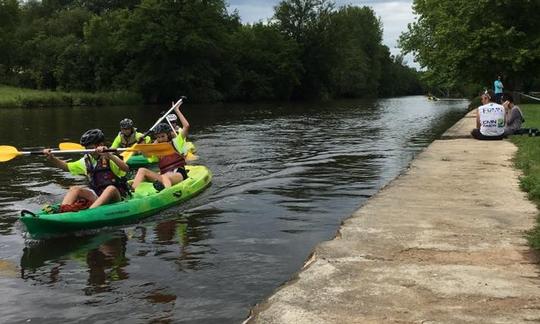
(165, 48)
(460, 41)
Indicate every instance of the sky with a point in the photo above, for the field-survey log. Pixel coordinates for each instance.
(395, 15)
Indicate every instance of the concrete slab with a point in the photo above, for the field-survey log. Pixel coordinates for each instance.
(443, 243)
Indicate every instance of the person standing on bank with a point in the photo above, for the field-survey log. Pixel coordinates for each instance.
(498, 87)
(490, 119)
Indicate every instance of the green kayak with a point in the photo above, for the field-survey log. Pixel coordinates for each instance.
(138, 161)
(144, 202)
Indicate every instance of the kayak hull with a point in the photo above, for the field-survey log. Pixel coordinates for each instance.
(144, 202)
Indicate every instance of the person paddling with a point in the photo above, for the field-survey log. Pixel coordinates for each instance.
(128, 135)
(104, 170)
(173, 121)
(171, 167)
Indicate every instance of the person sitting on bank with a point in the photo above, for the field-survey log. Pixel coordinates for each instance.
(104, 170)
(128, 135)
(490, 119)
(514, 116)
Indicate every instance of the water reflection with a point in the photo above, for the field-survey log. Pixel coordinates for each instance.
(284, 178)
(104, 254)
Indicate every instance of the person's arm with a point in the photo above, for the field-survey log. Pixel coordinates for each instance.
(113, 157)
(55, 161)
(513, 116)
(183, 121)
(477, 118)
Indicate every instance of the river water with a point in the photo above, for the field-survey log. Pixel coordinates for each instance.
(285, 176)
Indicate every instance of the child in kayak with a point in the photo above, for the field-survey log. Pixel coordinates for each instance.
(128, 135)
(173, 121)
(105, 172)
(171, 167)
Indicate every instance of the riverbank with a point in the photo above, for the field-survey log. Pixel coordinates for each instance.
(21, 97)
(444, 242)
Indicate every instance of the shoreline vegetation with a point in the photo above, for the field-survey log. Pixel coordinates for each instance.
(308, 50)
(527, 160)
(13, 97)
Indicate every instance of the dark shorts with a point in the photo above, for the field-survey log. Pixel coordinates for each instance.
(476, 134)
(498, 98)
(182, 171)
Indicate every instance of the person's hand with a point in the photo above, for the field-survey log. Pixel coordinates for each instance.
(48, 153)
(101, 150)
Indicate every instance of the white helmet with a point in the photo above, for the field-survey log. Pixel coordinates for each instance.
(172, 118)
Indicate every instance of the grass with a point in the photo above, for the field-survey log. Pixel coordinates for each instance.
(20, 97)
(527, 160)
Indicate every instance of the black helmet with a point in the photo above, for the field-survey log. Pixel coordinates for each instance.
(162, 128)
(92, 136)
(126, 123)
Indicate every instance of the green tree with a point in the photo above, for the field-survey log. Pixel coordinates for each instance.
(308, 22)
(9, 20)
(358, 35)
(169, 47)
(461, 41)
(44, 40)
(266, 62)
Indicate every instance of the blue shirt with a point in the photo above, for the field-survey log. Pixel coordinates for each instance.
(498, 86)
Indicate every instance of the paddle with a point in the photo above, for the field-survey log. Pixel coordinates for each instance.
(189, 155)
(9, 152)
(159, 149)
(67, 146)
(126, 155)
(177, 104)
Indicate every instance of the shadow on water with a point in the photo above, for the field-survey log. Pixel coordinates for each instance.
(284, 178)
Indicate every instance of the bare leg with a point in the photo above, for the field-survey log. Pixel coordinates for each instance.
(109, 195)
(144, 174)
(171, 178)
(77, 192)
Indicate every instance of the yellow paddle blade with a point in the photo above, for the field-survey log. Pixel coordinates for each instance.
(191, 157)
(8, 152)
(127, 154)
(190, 147)
(158, 149)
(70, 146)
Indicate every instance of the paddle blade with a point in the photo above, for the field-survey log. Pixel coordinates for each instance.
(159, 149)
(8, 153)
(127, 154)
(190, 147)
(70, 146)
(191, 157)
